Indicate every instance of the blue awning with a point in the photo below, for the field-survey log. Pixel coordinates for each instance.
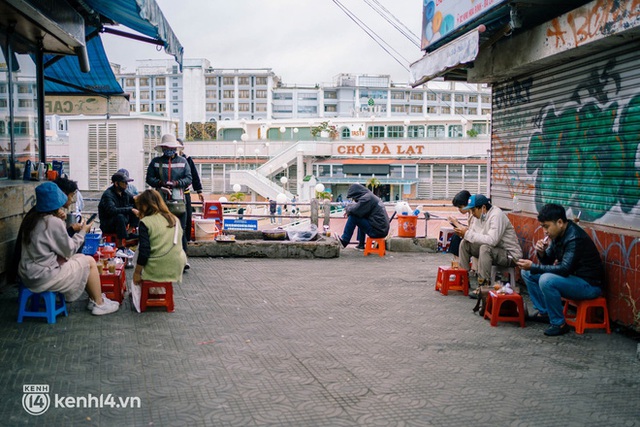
(63, 75)
(143, 16)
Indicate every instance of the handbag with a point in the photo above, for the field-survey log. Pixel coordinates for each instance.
(176, 203)
(177, 207)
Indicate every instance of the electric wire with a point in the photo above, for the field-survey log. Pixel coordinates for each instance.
(374, 36)
(393, 21)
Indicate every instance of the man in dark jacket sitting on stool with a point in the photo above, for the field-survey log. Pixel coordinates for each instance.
(569, 266)
(117, 211)
(367, 213)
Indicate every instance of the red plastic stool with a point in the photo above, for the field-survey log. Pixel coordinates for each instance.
(113, 238)
(114, 284)
(156, 300)
(374, 246)
(585, 314)
(494, 306)
(452, 279)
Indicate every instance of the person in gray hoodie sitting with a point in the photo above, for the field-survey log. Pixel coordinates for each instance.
(367, 212)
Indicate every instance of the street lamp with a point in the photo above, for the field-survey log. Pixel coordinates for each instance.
(282, 131)
(284, 180)
(319, 188)
(236, 188)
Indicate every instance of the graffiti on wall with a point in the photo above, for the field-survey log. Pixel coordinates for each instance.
(583, 154)
(592, 21)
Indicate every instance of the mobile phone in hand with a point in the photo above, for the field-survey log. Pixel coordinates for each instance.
(92, 218)
(452, 224)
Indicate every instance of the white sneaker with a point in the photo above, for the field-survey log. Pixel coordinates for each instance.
(107, 307)
(92, 304)
(124, 253)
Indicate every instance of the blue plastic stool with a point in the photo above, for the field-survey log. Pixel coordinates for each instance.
(52, 304)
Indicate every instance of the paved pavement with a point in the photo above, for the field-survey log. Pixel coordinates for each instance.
(332, 342)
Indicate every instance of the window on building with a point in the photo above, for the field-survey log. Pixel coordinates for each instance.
(24, 88)
(472, 111)
(174, 98)
(345, 133)
(431, 96)
(244, 80)
(144, 94)
(486, 111)
(330, 95)
(210, 81)
(161, 108)
(305, 96)
(397, 95)
(455, 131)
(307, 109)
(132, 107)
(244, 107)
(244, 94)
(282, 96)
(174, 84)
(227, 106)
(416, 109)
(375, 132)
(61, 125)
(211, 94)
(417, 96)
(261, 108)
(211, 106)
(398, 108)
(144, 81)
(144, 108)
(432, 110)
(25, 103)
(227, 81)
(161, 81)
(459, 97)
(261, 94)
(473, 98)
(261, 80)
(481, 128)
(445, 110)
(485, 99)
(415, 131)
(435, 131)
(446, 97)
(395, 131)
(175, 111)
(459, 110)
(3, 88)
(330, 108)
(161, 94)
(228, 93)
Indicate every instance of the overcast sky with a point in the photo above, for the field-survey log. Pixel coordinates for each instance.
(303, 41)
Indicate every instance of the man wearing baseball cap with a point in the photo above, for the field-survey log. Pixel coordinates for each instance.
(491, 238)
(117, 212)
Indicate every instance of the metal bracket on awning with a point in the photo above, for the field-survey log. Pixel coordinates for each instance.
(132, 36)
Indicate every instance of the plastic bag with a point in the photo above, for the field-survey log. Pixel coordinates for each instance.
(304, 233)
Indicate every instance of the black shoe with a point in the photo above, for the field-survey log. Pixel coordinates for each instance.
(186, 267)
(554, 331)
(538, 317)
(342, 242)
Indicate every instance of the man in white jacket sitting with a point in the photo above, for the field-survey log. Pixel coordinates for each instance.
(491, 238)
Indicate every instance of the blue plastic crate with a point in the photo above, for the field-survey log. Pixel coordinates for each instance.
(91, 243)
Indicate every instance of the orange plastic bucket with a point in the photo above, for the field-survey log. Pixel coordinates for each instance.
(407, 225)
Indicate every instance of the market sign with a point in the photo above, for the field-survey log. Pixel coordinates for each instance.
(382, 149)
(240, 224)
(74, 105)
(441, 17)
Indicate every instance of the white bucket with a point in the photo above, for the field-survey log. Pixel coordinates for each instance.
(206, 230)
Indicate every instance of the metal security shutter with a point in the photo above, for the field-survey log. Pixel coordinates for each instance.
(569, 134)
(103, 155)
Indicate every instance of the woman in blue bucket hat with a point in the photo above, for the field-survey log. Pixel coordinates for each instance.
(49, 261)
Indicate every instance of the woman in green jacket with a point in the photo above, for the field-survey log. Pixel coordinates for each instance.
(160, 254)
